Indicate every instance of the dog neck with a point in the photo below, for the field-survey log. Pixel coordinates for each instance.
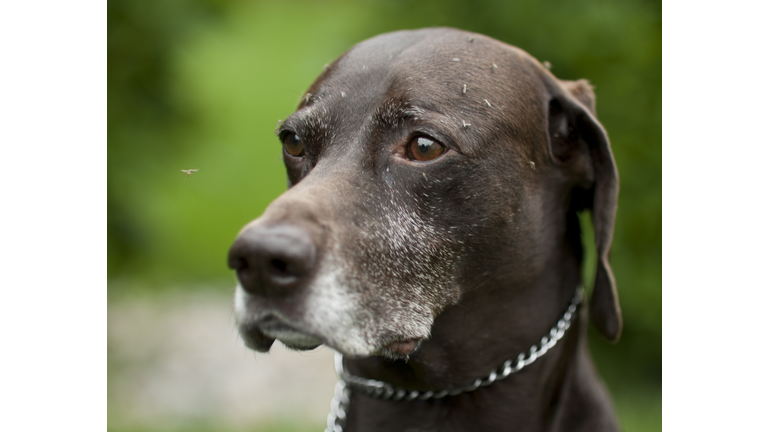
(489, 325)
(386, 391)
(463, 349)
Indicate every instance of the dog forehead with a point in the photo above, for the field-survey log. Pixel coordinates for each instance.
(429, 49)
(436, 56)
(469, 78)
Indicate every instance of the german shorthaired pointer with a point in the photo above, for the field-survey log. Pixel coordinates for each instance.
(430, 236)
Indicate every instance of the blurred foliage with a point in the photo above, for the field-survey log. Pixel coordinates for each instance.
(201, 84)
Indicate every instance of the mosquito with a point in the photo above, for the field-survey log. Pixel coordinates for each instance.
(189, 171)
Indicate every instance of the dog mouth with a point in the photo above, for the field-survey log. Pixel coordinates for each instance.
(260, 335)
(260, 323)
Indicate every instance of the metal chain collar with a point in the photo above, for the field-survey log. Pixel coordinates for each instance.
(383, 390)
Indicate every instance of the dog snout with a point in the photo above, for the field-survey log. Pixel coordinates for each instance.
(272, 260)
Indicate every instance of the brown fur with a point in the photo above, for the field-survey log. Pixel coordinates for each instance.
(430, 274)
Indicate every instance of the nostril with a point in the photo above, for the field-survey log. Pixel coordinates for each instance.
(279, 265)
(238, 264)
(269, 259)
(236, 259)
(285, 270)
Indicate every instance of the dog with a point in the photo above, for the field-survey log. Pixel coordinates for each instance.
(430, 236)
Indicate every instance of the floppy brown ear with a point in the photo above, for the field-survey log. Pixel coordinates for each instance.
(578, 141)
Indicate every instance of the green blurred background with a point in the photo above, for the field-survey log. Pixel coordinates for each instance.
(201, 84)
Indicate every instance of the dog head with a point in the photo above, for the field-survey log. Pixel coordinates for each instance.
(420, 164)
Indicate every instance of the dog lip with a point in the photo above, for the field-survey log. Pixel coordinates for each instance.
(275, 328)
(404, 348)
(273, 324)
(255, 339)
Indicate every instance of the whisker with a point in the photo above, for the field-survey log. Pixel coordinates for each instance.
(483, 282)
(462, 306)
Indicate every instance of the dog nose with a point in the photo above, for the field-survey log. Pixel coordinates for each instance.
(271, 259)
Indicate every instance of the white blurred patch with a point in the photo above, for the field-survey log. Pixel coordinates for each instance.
(178, 359)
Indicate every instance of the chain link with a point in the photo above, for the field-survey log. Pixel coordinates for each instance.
(383, 390)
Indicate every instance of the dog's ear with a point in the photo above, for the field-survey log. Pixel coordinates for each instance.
(579, 143)
(582, 91)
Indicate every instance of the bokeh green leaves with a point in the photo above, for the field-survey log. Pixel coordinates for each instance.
(202, 83)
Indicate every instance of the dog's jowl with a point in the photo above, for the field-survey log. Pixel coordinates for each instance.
(430, 236)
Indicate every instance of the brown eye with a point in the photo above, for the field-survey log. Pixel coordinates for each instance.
(424, 149)
(293, 144)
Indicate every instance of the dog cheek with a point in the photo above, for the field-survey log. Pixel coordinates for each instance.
(360, 319)
(338, 314)
(385, 276)
(410, 265)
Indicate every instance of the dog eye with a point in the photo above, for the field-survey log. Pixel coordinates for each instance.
(424, 149)
(293, 144)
